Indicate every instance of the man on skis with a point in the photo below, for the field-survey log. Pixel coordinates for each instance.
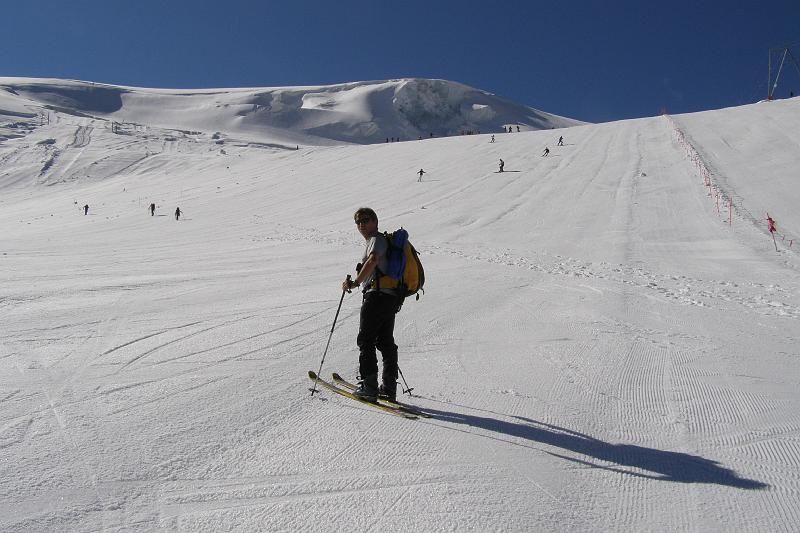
(378, 309)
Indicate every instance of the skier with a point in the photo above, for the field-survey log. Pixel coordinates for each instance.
(492, 139)
(378, 308)
(86, 209)
(546, 152)
(772, 230)
(152, 209)
(177, 213)
(421, 172)
(517, 128)
(502, 164)
(561, 141)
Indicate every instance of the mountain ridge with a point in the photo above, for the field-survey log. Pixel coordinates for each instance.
(364, 112)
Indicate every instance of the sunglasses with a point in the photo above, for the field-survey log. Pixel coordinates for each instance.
(360, 221)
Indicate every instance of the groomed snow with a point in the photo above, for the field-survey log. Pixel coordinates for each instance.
(599, 348)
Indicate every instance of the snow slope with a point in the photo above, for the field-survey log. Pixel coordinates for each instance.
(599, 349)
(358, 112)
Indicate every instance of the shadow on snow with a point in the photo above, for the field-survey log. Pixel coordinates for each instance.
(641, 461)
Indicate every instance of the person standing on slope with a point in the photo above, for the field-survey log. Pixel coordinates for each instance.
(152, 210)
(86, 209)
(502, 164)
(561, 141)
(178, 213)
(421, 172)
(378, 309)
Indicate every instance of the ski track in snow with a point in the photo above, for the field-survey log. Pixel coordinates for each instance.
(760, 298)
(596, 348)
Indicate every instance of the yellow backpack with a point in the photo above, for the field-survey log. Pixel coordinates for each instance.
(404, 271)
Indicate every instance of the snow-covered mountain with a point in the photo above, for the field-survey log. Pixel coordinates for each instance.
(360, 112)
(608, 339)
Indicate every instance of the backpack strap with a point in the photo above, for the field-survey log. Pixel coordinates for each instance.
(380, 278)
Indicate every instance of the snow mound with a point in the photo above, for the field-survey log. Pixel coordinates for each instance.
(358, 112)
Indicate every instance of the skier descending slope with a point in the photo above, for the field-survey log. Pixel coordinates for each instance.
(378, 308)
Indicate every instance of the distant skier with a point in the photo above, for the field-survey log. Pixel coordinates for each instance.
(546, 152)
(86, 209)
(492, 139)
(502, 164)
(178, 213)
(561, 141)
(152, 210)
(421, 172)
(517, 128)
(772, 229)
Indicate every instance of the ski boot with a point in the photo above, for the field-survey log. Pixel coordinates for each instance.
(368, 389)
(388, 393)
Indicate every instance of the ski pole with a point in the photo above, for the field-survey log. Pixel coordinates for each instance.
(408, 389)
(314, 388)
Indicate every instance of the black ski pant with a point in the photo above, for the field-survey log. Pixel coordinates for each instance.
(377, 331)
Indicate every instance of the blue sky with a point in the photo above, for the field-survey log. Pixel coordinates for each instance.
(591, 60)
